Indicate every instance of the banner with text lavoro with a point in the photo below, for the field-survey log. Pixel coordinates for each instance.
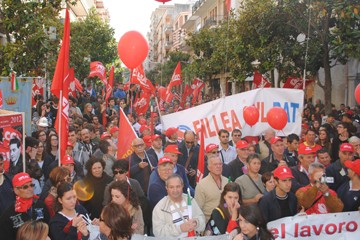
(227, 113)
(332, 226)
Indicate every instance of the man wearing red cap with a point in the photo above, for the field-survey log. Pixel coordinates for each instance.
(157, 190)
(277, 157)
(317, 197)
(144, 131)
(26, 207)
(171, 136)
(301, 172)
(337, 169)
(280, 202)
(114, 131)
(349, 191)
(156, 147)
(238, 165)
(172, 152)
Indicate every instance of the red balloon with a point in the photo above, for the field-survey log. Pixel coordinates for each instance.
(163, 1)
(132, 49)
(251, 115)
(277, 118)
(357, 93)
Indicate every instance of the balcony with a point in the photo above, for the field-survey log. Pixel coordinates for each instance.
(202, 6)
(168, 29)
(210, 22)
(168, 45)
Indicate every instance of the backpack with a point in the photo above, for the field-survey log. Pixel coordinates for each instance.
(210, 228)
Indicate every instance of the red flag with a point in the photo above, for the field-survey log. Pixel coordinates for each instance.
(162, 93)
(62, 65)
(259, 81)
(97, 69)
(78, 85)
(176, 78)
(197, 85)
(1, 99)
(141, 104)
(228, 5)
(60, 86)
(72, 85)
(187, 92)
(124, 143)
(295, 83)
(138, 77)
(127, 86)
(201, 164)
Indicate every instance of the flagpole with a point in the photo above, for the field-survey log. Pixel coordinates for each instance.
(59, 121)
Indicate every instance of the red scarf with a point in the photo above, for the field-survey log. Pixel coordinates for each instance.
(23, 204)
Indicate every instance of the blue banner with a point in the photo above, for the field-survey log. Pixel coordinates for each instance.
(20, 100)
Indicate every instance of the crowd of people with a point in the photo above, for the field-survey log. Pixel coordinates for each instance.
(248, 181)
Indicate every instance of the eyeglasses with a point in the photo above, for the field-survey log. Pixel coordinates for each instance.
(215, 152)
(138, 145)
(26, 186)
(189, 142)
(119, 171)
(236, 135)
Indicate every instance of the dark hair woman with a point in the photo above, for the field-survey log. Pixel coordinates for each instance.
(252, 224)
(268, 181)
(115, 222)
(122, 194)
(98, 179)
(223, 218)
(324, 139)
(52, 152)
(68, 222)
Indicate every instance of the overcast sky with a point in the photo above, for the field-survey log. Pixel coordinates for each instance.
(127, 15)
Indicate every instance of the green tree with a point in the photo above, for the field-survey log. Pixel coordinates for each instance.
(26, 27)
(91, 40)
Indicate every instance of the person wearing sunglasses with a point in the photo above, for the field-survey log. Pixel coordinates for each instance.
(26, 207)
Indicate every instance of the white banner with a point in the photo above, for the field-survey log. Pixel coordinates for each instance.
(227, 113)
(339, 226)
(220, 237)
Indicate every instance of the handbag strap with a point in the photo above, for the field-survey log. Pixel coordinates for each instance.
(254, 184)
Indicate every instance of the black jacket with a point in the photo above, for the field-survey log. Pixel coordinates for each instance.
(338, 172)
(236, 168)
(7, 196)
(58, 223)
(300, 179)
(270, 207)
(11, 221)
(269, 163)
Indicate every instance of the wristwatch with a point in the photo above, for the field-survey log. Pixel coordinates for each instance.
(326, 194)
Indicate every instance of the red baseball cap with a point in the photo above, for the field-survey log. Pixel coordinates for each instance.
(147, 140)
(69, 144)
(170, 131)
(105, 135)
(154, 137)
(275, 140)
(20, 179)
(283, 172)
(172, 148)
(305, 150)
(164, 160)
(67, 160)
(242, 144)
(113, 130)
(347, 147)
(142, 121)
(143, 128)
(353, 165)
(211, 147)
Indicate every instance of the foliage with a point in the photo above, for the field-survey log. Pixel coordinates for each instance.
(91, 40)
(25, 25)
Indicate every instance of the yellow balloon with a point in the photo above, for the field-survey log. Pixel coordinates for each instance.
(84, 191)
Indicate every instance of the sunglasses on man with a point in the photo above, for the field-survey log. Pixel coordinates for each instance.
(26, 186)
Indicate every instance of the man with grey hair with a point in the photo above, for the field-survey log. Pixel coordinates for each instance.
(141, 164)
(355, 141)
(263, 148)
(317, 197)
(208, 190)
(172, 216)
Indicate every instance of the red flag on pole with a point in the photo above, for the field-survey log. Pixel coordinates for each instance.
(197, 85)
(110, 85)
(97, 69)
(62, 65)
(259, 81)
(295, 83)
(228, 5)
(138, 77)
(1, 99)
(60, 87)
(72, 85)
(125, 137)
(142, 103)
(78, 85)
(176, 78)
(201, 164)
